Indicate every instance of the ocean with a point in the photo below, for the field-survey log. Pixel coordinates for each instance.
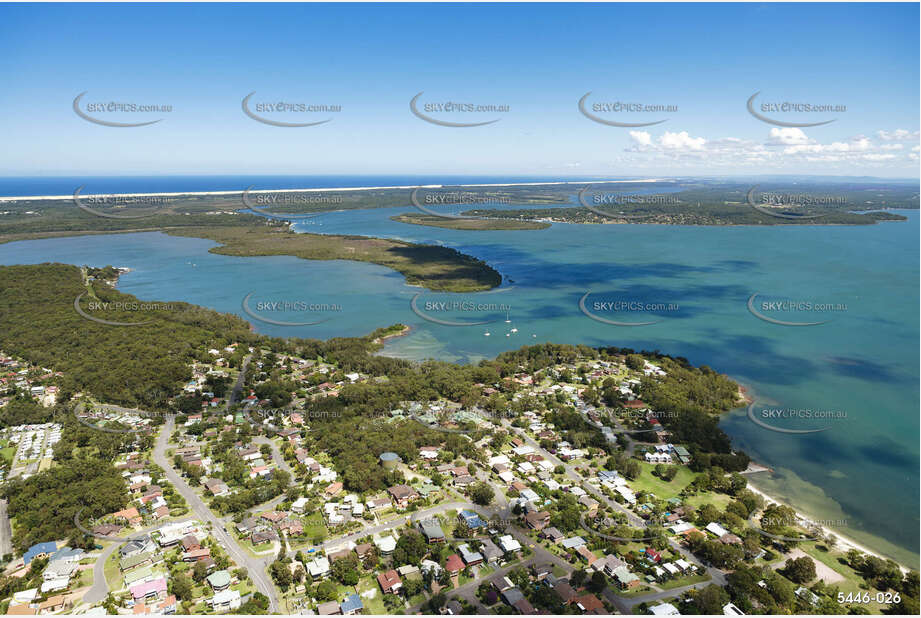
(856, 374)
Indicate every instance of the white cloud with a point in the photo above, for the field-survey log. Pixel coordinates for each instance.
(641, 137)
(898, 135)
(681, 141)
(783, 147)
(788, 136)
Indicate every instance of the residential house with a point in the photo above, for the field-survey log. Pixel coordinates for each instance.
(509, 545)
(390, 582)
(454, 564)
(432, 531)
(225, 600)
(589, 604)
(330, 608)
(470, 557)
(491, 552)
(219, 580)
(351, 605)
(625, 579)
(586, 554)
(318, 567)
(402, 495)
(537, 520)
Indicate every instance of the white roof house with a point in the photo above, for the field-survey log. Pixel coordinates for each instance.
(664, 609)
(573, 542)
(318, 567)
(716, 529)
(386, 544)
(509, 544)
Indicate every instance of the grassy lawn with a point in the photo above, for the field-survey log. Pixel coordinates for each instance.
(253, 549)
(662, 489)
(85, 579)
(372, 605)
(636, 592)
(8, 453)
(418, 599)
(683, 581)
(718, 500)
(852, 581)
(313, 531)
(113, 573)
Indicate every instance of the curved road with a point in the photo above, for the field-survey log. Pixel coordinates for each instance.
(100, 588)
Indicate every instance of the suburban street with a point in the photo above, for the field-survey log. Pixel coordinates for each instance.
(100, 587)
(6, 532)
(717, 576)
(255, 567)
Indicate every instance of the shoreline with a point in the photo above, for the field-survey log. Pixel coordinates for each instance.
(33, 198)
(754, 467)
(844, 543)
(402, 333)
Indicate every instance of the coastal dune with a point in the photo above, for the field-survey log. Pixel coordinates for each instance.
(25, 198)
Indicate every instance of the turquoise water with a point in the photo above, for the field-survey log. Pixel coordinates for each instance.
(862, 362)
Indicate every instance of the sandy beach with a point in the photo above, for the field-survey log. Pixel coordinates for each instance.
(24, 198)
(843, 543)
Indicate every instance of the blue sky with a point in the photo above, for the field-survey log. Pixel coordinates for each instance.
(539, 60)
